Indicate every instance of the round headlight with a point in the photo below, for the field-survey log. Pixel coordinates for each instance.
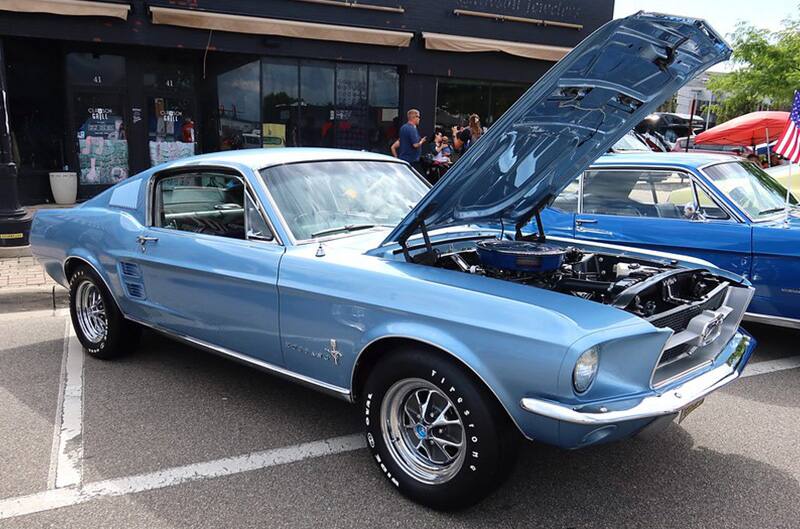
(585, 370)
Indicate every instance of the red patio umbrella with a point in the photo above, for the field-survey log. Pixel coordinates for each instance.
(750, 129)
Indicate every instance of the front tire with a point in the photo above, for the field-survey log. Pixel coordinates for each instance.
(436, 433)
(99, 325)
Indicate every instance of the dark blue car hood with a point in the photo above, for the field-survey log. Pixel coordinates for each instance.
(572, 115)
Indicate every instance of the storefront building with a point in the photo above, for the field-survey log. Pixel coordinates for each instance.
(110, 88)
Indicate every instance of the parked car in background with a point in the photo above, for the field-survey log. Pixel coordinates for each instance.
(457, 332)
(783, 173)
(631, 142)
(670, 125)
(711, 206)
(735, 150)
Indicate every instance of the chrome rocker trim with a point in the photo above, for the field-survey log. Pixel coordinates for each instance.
(667, 403)
(312, 383)
(778, 321)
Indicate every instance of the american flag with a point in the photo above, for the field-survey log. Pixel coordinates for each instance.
(789, 143)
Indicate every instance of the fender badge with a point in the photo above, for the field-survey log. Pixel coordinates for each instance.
(335, 353)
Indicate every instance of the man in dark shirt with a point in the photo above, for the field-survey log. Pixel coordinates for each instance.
(409, 145)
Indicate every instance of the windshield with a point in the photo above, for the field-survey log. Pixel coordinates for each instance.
(327, 198)
(749, 187)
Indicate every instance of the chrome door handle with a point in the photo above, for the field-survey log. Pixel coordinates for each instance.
(585, 221)
(142, 239)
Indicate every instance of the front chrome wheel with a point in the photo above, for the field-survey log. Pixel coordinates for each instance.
(91, 312)
(423, 431)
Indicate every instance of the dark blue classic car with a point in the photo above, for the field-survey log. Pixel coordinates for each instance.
(720, 208)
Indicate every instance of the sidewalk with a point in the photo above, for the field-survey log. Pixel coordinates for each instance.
(24, 286)
(16, 272)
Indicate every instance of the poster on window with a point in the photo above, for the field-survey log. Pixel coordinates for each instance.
(102, 147)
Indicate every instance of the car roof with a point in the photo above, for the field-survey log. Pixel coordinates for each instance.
(261, 158)
(682, 159)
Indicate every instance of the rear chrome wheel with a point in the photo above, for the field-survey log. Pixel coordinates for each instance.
(423, 431)
(91, 312)
(99, 325)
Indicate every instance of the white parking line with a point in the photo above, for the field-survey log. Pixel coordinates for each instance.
(65, 497)
(65, 470)
(64, 483)
(771, 366)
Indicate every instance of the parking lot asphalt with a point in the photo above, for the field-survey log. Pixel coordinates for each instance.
(175, 437)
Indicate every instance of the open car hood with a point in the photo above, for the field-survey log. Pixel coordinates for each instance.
(572, 115)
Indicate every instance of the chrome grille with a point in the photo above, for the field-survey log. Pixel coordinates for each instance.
(678, 319)
(684, 352)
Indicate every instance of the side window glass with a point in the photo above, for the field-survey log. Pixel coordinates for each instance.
(638, 193)
(612, 192)
(256, 225)
(210, 203)
(567, 201)
(708, 208)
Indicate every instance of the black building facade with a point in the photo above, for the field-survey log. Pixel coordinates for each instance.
(110, 88)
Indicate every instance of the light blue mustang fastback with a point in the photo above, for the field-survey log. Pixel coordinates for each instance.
(453, 329)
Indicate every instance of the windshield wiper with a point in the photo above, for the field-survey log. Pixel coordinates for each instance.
(347, 227)
(772, 210)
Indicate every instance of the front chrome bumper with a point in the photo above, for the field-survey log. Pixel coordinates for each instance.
(669, 402)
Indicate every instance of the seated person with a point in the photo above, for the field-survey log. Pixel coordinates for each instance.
(443, 151)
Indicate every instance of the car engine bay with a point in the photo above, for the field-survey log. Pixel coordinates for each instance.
(645, 288)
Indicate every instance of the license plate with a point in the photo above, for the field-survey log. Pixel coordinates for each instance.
(689, 409)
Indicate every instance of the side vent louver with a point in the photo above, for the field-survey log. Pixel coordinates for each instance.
(130, 272)
(135, 290)
(130, 269)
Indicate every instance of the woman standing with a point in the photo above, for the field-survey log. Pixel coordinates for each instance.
(464, 138)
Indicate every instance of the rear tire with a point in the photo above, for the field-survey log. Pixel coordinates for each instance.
(99, 325)
(434, 430)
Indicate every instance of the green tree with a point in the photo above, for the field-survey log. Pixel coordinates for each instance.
(767, 70)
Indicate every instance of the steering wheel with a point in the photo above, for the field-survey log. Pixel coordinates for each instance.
(692, 211)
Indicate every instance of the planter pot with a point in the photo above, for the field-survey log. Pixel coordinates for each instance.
(64, 186)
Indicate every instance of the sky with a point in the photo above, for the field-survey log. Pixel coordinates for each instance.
(721, 14)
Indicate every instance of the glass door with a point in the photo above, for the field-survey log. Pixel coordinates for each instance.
(97, 100)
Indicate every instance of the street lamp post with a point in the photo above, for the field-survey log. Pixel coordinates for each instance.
(15, 221)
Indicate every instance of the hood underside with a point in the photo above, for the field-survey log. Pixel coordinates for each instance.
(571, 116)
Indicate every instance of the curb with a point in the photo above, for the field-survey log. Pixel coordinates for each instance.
(33, 298)
(15, 251)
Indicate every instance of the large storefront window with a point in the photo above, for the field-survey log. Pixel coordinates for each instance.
(239, 94)
(280, 85)
(310, 103)
(457, 99)
(98, 105)
(352, 119)
(384, 105)
(316, 95)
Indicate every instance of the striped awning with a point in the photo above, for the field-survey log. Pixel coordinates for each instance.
(190, 18)
(460, 43)
(79, 8)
